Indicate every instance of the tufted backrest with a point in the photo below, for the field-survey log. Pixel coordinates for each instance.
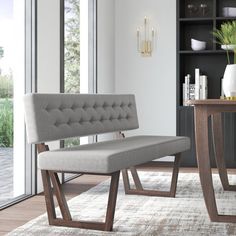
(58, 116)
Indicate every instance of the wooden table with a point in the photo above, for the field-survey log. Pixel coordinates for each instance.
(203, 109)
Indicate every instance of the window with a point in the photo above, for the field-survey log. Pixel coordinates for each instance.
(15, 47)
(79, 38)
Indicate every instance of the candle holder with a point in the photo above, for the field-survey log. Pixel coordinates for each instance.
(192, 10)
(203, 9)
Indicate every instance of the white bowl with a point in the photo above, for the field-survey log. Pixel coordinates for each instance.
(197, 45)
(229, 11)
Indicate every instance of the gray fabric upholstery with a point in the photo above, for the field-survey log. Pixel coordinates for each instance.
(110, 156)
(59, 116)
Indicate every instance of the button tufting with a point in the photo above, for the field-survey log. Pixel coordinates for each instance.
(57, 123)
(82, 115)
(73, 107)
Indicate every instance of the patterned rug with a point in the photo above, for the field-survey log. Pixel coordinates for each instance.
(140, 215)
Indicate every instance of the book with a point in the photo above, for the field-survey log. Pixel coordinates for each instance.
(187, 82)
(222, 95)
(203, 87)
(191, 93)
(197, 83)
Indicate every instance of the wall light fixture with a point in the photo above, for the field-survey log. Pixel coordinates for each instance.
(145, 38)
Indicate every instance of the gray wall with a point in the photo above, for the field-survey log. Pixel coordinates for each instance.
(153, 79)
(105, 46)
(48, 46)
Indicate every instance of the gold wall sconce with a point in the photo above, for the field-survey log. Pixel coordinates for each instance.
(145, 39)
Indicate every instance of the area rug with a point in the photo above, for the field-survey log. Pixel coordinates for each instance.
(141, 215)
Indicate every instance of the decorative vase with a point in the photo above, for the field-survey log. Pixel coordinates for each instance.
(229, 47)
(229, 82)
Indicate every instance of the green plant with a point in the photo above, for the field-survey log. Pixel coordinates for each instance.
(226, 35)
(71, 142)
(6, 86)
(6, 123)
(1, 52)
(72, 46)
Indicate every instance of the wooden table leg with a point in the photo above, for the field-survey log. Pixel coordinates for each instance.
(217, 138)
(203, 159)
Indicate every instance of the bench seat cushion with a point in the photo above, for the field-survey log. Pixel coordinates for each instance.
(110, 156)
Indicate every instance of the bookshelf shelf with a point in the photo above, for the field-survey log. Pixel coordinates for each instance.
(202, 52)
(206, 19)
(185, 107)
(225, 18)
(211, 62)
(197, 19)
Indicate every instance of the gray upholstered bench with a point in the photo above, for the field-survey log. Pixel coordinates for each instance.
(59, 116)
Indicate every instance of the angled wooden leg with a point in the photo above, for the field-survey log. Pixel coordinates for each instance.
(126, 180)
(139, 190)
(112, 201)
(175, 174)
(67, 221)
(217, 137)
(48, 196)
(136, 179)
(60, 196)
(202, 151)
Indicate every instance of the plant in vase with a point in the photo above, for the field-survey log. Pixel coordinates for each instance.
(226, 37)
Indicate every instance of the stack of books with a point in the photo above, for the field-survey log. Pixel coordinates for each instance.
(195, 91)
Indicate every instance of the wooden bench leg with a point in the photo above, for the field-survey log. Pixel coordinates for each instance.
(139, 190)
(67, 221)
(48, 193)
(112, 201)
(60, 196)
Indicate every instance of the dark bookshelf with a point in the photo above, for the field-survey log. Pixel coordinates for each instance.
(211, 62)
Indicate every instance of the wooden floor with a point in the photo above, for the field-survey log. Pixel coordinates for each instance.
(23, 212)
(17, 215)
